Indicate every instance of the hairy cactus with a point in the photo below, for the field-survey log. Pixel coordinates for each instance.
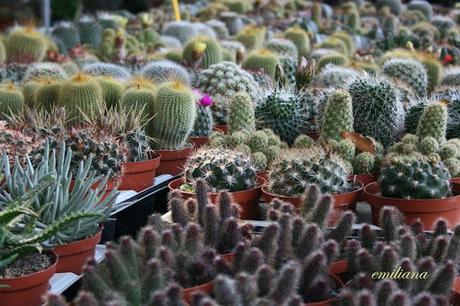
(337, 116)
(221, 169)
(26, 45)
(44, 70)
(165, 71)
(241, 113)
(433, 122)
(11, 101)
(175, 111)
(408, 71)
(107, 69)
(416, 179)
(377, 109)
(300, 39)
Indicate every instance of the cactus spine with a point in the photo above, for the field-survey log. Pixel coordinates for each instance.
(241, 113)
(212, 53)
(433, 122)
(338, 115)
(26, 45)
(11, 101)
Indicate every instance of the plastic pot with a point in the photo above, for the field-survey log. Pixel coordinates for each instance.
(342, 202)
(248, 200)
(140, 175)
(188, 293)
(427, 210)
(73, 256)
(172, 161)
(28, 290)
(365, 178)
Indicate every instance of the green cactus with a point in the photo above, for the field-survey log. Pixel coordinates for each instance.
(428, 145)
(11, 101)
(434, 70)
(140, 97)
(300, 39)
(303, 142)
(165, 71)
(90, 32)
(337, 116)
(44, 70)
(336, 44)
(107, 69)
(80, 95)
(257, 141)
(47, 94)
(29, 89)
(175, 111)
(251, 38)
(336, 76)
(282, 47)
(241, 113)
(422, 6)
(408, 71)
(346, 148)
(204, 121)
(395, 6)
(112, 91)
(2, 52)
(316, 13)
(26, 45)
(182, 30)
(66, 37)
(433, 122)
(347, 40)
(212, 53)
(364, 163)
(334, 58)
(353, 20)
(264, 60)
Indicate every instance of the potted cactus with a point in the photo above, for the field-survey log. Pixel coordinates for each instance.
(223, 169)
(77, 242)
(204, 121)
(175, 113)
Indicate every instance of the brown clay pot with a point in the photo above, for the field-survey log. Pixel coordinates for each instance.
(221, 127)
(343, 202)
(333, 300)
(28, 290)
(188, 293)
(228, 257)
(73, 256)
(172, 161)
(263, 174)
(140, 175)
(365, 178)
(455, 294)
(427, 211)
(199, 141)
(247, 199)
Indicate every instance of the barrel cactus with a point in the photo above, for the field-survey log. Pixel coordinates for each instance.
(333, 58)
(90, 31)
(112, 91)
(300, 39)
(205, 49)
(139, 97)
(264, 60)
(107, 69)
(222, 169)
(408, 71)
(165, 71)
(11, 100)
(26, 45)
(47, 94)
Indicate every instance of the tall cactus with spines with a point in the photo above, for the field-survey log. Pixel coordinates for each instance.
(80, 95)
(264, 60)
(408, 71)
(107, 69)
(44, 70)
(175, 111)
(212, 53)
(433, 122)
(334, 58)
(11, 101)
(337, 116)
(66, 37)
(47, 94)
(112, 91)
(139, 97)
(300, 39)
(241, 113)
(165, 71)
(204, 121)
(377, 110)
(90, 32)
(26, 45)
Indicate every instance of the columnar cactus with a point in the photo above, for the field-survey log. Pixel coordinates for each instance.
(241, 113)
(11, 101)
(433, 122)
(408, 71)
(175, 111)
(26, 45)
(165, 71)
(337, 116)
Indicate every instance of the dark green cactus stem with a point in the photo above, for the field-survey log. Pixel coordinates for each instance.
(241, 113)
(264, 60)
(11, 101)
(29, 89)
(47, 94)
(433, 122)
(203, 49)
(26, 45)
(337, 116)
(112, 91)
(139, 99)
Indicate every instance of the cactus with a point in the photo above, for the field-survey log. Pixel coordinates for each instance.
(204, 121)
(451, 77)
(282, 47)
(336, 76)
(193, 53)
(433, 122)
(335, 44)
(140, 97)
(112, 91)
(422, 6)
(263, 60)
(397, 180)
(220, 28)
(11, 101)
(251, 38)
(90, 32)
(106, 69)
(337, 116)
(26, 45)
(2, 52)
(395, 6)
(332, 59)
(377, 110)
(300, 39)
(47, 94)
(165, 71)
(316, 13)
(44, 70)
(238, 174)
(241, 113)
(408, 71)
(29, 89)
(80, 95)
(66, 37)
(364, 163)
(175, 111)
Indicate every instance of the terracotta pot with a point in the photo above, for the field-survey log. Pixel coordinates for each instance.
(338, 267)
(263, 174)
(455, 294)
(427, 210)
(73, 256)
(221, 127)
(365, 178)
(228, 257)
(29, 289)
(343, 202)
(188, 293)
(199, 141)
(248, 200)
(140, 175)
(172, 162)
(333, 300)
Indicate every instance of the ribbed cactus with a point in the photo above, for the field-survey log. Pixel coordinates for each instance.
(47, 94)
(11, 101)
(90, 32)
(300, 39)
(112, 91)
(66, 37)
(334, 58)
(26, 45)
(202, 49)
(408, 71)
(175, 111)
(336, 76)
(204, 121)
(252, 38)
(45, 70)
(29, 89)
(337, 116)
(165, 71)
(80, 95)
(415, 180)
(241, 113)
(139, 97)
(433, 122)
(264, 60)
(107, 69)
(282, 47)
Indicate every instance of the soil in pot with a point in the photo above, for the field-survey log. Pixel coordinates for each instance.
(427, 210)
(73, 256)
(172, 161)
(138, 176)
(28, 279)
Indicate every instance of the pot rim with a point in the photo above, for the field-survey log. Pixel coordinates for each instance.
(77, 242)
(189, 146)
(153, 156)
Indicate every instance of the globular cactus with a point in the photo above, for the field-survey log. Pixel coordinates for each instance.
(26, 45)
(220, 28)
(433, 122)
(336, 76)
(204, 121)
(171, 42)
(303, 142)
(45, 70)
(264, 60)
(107, 69)
(451, 77)
(364, 162)
(377, 109)
(422, 6)
(335, 58)
(282, 47)
(300, 39)
(29, 89)
(165, 71)
(414, 180)
(175, 111)
(337, 116)
(66, 37)
(112, 91)
(90, 32)
(221, 169)
(202, 49)
(182, 30)
(395, 6)
(47, 94)
(335, 44)
(443, 24)
(11, 101)
(236, 49)
(241, 113)
(347, 40)
(408, 71)
(139, 97)
(252, 38)
(80, 95)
